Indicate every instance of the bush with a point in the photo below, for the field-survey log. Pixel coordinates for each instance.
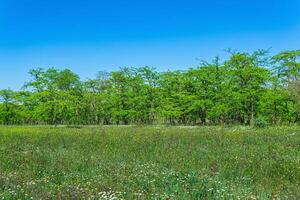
(260, 123)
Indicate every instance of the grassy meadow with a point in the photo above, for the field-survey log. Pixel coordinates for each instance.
(130, 162)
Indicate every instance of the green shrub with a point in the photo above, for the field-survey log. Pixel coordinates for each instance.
(260, 123)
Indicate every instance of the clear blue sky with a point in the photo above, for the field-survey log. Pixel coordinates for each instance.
(92, 35)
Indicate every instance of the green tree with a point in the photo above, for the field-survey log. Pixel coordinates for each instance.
(8, 107)
(247, 80)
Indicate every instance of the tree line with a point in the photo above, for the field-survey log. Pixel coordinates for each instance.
(244, 89)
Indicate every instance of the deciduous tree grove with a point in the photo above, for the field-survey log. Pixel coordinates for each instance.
(241, 90)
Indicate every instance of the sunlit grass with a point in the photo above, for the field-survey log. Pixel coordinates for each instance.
(149, 163)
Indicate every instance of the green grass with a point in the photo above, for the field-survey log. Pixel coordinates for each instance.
(149, 163)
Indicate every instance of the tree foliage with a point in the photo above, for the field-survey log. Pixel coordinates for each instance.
(245, 89)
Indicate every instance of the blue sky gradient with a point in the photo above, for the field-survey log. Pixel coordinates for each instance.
(89, 36)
